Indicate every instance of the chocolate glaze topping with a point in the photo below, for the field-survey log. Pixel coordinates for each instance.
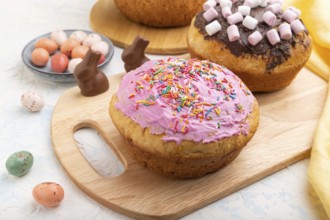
(276, 54)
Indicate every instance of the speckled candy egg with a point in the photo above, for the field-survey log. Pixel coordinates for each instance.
(78, 36)
(19, 163)
(32, 101)
(48, 194)
(91, 39)
(101, 47)
(59, 36)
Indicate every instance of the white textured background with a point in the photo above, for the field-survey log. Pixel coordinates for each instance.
(283, 195)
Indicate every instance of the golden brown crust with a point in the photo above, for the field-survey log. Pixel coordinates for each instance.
(186, 160)
(251, 68)
(160, 13)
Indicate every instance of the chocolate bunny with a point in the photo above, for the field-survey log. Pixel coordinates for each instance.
(91, 80)
(133, 56)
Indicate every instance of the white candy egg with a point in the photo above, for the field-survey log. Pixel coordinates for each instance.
(59, 36)
(78, 36)
(32, 101)
(73, 63)
(101, 47)
(91, 39)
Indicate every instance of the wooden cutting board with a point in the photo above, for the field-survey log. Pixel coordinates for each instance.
(106, 19)
(287, 123)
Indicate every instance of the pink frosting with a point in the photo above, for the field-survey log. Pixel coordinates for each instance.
(186, 100)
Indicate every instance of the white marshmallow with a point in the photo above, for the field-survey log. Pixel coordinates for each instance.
(250, 22)
(275, 8)
(263, 3)
(225, 3)
(213, 28)
(251, 3)
(295, 10)
(244, 10)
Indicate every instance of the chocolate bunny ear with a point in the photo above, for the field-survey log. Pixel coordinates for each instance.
(136, 48)
(92, 57)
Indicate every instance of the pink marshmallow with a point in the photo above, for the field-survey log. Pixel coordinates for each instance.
(250, 22)
(233, 33)
(234, 1)
(285, 31)
(297, 26)
(269, 18)
(210, 14)
(273, 37)
(235, 18)
(209, 4)
(289, 15)
(213, 28)
(295, 10)
(275, 8)
(255, 38)
(226, 11)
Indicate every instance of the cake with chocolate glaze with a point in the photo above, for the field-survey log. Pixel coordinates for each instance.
(160, 13)
(184, 118)
(264, 45)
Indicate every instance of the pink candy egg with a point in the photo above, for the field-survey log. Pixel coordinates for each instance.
(48, 194)
(59, 63)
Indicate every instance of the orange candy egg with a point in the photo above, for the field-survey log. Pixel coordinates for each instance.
(79, 52)
(68, 45)
(48, 194)
(48, 44)
(39, 57)
(59, 63)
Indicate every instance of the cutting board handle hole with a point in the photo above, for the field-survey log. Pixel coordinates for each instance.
(97, 152)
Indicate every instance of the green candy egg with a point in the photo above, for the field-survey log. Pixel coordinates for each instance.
(19, 163)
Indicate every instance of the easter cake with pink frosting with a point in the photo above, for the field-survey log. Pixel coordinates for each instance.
(262, 42)
(184, 118)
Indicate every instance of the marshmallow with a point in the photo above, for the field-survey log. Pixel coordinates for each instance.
(250, 22)
(275, 8)
(234, 1)
(213, 28)
(235, 18)
(289, 15)
(225, 3)
(263, 3)
(297, 26)
(251, 3)
(276, 1)
(269, 18)
(295, 10)
(226, 11)
(285, 31)
(255, 38)
(233, 33)
(244, 10)
(210, 14)
(209, 4)
(273, 37)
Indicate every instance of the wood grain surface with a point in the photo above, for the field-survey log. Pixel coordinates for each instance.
(107, 20)
(287, 123)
